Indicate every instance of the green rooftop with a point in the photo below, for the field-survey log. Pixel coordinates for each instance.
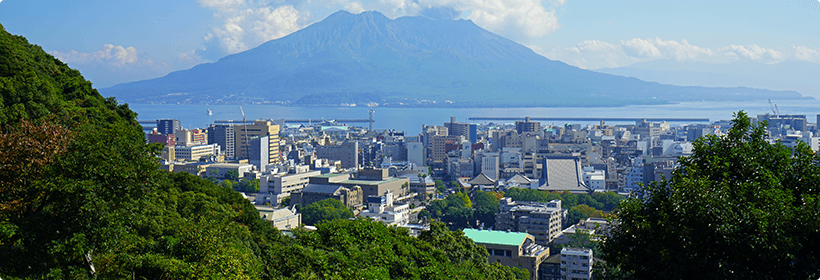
(495, 237)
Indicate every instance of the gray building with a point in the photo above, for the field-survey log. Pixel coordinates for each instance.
(260, 152)
(223, 135)
(544, 221)
(347, 152)
(168, 126)
(350, 197)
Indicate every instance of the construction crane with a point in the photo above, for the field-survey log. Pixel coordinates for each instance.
(775, 110)
(245, 128)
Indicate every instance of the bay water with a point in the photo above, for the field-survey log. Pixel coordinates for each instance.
(410, 120)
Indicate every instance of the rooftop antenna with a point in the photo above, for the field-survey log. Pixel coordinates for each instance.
(245, 127)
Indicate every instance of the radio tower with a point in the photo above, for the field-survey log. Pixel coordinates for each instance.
(371, 119)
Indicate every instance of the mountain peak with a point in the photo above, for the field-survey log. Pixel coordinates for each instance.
(409, 61)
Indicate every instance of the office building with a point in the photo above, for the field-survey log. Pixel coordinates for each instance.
(194, 153)
(527, 126)
(245, 132)
(512, 249)
(347, 152)
(168, 126)
(576, 263)
(543, 221)
(224, 136)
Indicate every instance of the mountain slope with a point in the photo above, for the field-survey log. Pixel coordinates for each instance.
(409, 61)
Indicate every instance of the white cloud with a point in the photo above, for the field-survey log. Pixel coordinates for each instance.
(751, 52)
(558, 2)
(355, 7)
(657, 48)
(590, 54)
(247, 25)
(806, 53)
(516, 19)
(108, 55)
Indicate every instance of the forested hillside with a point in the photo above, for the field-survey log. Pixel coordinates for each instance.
(81, 196)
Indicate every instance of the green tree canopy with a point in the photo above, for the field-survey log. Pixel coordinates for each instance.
(738, 208)
(326, 209)
(581, 212)
(440, 186)
(232, 175)
(247, 185)
(486, 205)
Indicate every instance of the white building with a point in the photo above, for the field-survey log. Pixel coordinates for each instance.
(281, 218)
(489, 165)
(382, 209)
(196, 152)
(415, 153)
(219, 169)
(576, 263)
(595, 179)
(634, 175)
(275, 187)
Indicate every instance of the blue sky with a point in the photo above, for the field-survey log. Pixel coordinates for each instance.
(112, 42)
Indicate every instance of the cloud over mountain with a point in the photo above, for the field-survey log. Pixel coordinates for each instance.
(370, 58)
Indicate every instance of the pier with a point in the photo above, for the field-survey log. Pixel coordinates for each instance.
(588, 119)
(301, 121)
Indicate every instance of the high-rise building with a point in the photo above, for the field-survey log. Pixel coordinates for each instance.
(527, 126)
(347, 152)
(260, 152)
(223, 135)
(245, 132)
(458, 129)
(168, 126)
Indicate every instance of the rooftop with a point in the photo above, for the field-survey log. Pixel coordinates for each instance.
(370, 182)
(330, 175)
(496, 237)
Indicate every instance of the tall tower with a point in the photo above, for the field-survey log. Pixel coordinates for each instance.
(371, 118)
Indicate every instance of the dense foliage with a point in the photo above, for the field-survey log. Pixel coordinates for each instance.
(486, 205)
(738, 208)
(82, 196)
(581, 206)
(453, 211)
(323, 210)
(361, 249)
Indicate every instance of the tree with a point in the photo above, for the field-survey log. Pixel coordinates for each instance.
(440, 187)
(326, 209)
(232, 175)
(247, 185)
(486, 205)
(581, 212)
(285, 202)
(738, 208)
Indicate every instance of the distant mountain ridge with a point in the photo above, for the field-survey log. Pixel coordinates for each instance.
(786, 75)
(368, 58)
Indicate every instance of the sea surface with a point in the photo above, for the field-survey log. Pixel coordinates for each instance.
(410, 120)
